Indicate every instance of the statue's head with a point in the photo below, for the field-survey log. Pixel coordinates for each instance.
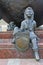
(29, 13)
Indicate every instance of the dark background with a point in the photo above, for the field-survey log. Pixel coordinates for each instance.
(13, 10)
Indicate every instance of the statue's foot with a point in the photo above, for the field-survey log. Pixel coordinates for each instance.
(37, 56)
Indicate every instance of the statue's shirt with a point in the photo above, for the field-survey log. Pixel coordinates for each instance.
(28, 24)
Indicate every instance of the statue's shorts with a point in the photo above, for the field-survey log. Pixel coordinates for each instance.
(34, 40)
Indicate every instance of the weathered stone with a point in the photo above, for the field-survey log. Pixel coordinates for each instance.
(8, 50)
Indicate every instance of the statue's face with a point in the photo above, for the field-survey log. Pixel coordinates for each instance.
(29, 13)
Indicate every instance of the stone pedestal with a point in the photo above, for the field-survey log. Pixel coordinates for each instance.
(8, 49)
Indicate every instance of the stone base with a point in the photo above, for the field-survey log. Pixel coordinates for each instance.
(8, 50)
(6, 35)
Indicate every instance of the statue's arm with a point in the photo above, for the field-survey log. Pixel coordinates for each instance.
(35, 25)
(22, 26)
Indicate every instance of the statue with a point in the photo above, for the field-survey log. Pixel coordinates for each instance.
(11, 26)
(29, 24)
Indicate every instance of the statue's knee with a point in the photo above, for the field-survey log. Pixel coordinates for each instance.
(35, 49)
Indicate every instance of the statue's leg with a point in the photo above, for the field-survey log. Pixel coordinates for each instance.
(35, 48)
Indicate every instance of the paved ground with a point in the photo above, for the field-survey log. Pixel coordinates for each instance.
(20, 62)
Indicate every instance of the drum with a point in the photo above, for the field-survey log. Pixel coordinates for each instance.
(22, 40)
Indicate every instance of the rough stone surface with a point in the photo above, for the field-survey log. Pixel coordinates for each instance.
(8, 50)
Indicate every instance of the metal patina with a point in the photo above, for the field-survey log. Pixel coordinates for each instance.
(22, 41)
(22, 37)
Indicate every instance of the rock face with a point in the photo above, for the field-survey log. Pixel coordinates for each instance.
(13, 10)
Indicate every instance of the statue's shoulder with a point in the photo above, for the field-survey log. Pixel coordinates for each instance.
(23, 22)
(34, 22)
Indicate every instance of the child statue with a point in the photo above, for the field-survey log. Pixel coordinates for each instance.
(30, 24)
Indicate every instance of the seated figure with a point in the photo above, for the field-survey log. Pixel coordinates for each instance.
(30, 24)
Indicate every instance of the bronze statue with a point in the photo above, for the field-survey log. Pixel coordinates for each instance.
(29, 24)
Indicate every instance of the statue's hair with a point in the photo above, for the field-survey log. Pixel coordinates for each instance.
(29, 8)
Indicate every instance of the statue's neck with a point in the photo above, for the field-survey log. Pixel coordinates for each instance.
(30, 20)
